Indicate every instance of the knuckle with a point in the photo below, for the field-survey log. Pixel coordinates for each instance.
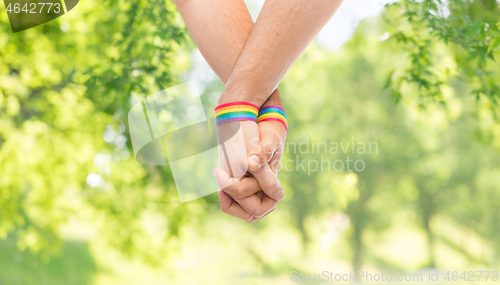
(239, 191)
(267, 156)
(254, 142)
(268, 148)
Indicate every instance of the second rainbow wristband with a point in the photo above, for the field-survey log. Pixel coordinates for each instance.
(272, 113)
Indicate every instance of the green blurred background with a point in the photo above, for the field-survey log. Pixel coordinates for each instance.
(419, 81)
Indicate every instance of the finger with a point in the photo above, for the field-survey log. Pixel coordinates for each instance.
(230, 207)
(253, 219)
(267, 212)
(242, 191)
(223, 178)
(256, 205)
(275, 161)
(232, 150)
(270, 142)
(237, 188)
(269, 182)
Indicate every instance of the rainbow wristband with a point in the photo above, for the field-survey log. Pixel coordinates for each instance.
(235, 111)
(272, 113)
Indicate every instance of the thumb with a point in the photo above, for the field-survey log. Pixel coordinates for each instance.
(223, 178)
(263, 152)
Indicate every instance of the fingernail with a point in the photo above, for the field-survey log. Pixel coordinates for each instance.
(254, 160)
(279, 195)
(215, 174)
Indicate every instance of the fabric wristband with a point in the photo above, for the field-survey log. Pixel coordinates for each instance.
(235, 111)
(272, 113)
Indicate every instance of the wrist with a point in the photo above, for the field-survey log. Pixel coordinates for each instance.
(229, 97)
(272, 113)
(273, 100)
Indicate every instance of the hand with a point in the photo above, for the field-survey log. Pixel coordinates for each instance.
(242, 196)
(270, 148)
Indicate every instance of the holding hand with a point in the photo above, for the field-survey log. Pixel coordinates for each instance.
(253, 194)
(251, 60)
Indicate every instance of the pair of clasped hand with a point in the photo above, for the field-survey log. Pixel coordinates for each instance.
(249, 157)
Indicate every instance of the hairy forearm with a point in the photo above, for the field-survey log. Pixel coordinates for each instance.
(281, 33)
(220, 29)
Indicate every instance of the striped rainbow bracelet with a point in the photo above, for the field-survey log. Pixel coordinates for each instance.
(272, 113)
(235, 111)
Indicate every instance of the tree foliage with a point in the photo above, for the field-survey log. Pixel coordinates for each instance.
(61, 93)
(471, 30)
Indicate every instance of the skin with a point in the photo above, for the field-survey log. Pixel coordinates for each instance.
(245, 192)
(280, 35)
(220, 29)
(251, 59)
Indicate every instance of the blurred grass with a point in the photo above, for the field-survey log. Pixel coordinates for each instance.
(74, 265)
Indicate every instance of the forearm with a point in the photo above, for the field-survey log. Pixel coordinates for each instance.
(220, 29)
(281, 33)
